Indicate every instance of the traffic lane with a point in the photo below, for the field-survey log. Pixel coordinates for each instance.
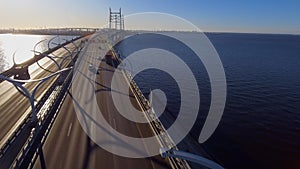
(100, 158)
(116, 120)
(120, 123)
(15, 116)
(112, 116)
(15, 106)
(68, 146)
(95, 156)
(65, 146)
(107, 72)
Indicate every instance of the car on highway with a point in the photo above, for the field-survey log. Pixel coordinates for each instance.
(93, 69)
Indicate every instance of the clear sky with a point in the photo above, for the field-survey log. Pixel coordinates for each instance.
(272, 16)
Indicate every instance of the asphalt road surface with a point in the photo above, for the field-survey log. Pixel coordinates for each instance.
(14, 106)
(68, 145)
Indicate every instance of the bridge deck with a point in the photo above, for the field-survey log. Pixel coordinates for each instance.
(68, 146)
(13, 105)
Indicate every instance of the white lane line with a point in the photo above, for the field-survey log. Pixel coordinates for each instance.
(69, 130)
(20, 121)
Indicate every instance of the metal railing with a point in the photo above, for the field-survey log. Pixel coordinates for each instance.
(155, 123)
(40, 116)
(16, 68)
(189, 157)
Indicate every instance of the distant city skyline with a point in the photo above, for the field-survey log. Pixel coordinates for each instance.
(210, 15)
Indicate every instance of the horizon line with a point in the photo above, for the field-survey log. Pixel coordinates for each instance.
(161, 30)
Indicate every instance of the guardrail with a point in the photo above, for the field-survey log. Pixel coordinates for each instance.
(33, 147)
(20, 140)
(155, 123)
(190, 157)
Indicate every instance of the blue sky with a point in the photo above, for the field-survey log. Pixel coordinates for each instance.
(277, 16)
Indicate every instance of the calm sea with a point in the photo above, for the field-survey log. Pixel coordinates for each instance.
(260, 127)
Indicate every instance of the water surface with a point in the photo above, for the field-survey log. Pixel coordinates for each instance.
(260, 127)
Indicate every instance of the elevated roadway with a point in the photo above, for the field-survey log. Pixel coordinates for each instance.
(68, 146)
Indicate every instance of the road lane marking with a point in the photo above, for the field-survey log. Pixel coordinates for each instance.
(9, 134)
(69, 130)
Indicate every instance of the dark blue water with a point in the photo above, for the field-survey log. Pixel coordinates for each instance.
(261, 123)
(260, 127)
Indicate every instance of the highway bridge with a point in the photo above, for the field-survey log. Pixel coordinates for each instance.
(51, 31)
(39, 127)
(56, 139)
